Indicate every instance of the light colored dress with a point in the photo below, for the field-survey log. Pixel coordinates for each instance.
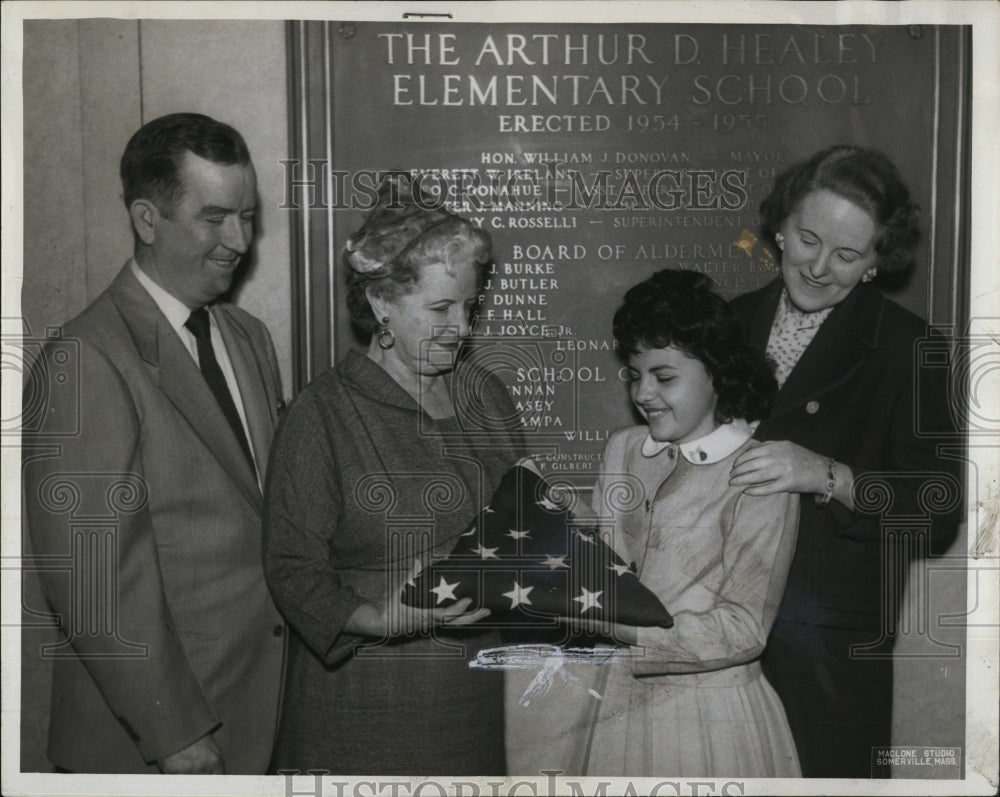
(690, 700)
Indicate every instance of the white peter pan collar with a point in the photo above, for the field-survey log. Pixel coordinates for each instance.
(713, 447)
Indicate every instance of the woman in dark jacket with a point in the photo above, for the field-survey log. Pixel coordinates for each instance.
(861, 432)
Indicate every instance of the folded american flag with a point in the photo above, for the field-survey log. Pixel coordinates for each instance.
(528, 559)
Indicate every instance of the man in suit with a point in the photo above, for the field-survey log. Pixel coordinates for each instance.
(150, 490)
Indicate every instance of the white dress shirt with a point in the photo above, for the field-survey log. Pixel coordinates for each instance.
(177, 314)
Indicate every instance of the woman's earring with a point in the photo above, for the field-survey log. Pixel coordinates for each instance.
(779, 239)
(386, 340)
(870, 274)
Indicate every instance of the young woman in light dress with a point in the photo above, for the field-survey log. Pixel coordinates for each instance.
(690, 700)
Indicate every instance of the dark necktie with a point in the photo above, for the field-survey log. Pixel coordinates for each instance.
(200, 327)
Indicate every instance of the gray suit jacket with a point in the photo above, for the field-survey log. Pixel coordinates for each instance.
(139, 495)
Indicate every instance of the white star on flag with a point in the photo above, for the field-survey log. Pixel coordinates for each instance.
(589, 600)
(518, 595)
(529, 539)
(444, 591)
(486, 553)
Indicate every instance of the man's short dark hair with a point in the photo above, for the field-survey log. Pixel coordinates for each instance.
(151, 162)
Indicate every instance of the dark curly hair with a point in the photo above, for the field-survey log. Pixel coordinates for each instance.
(865, 177)
(681, 308)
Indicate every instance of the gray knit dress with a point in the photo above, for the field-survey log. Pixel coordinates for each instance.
(361, 484)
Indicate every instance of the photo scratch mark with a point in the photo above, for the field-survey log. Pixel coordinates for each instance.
(523, 657)
(550, 661)
(542, 681)
(989, 526)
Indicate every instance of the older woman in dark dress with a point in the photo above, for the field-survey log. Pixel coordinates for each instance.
(855, 429)
(378, 465)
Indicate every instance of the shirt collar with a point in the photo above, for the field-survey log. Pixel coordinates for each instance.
(789, 315)
(174, 309)
(713, 447)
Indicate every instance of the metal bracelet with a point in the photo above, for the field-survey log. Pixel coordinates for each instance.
(831, 484)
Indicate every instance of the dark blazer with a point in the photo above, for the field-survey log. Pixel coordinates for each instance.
(857, 395)
(135, 477)
(871, 391)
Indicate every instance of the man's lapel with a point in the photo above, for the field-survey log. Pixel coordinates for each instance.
(252, 382)
(180, 380)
